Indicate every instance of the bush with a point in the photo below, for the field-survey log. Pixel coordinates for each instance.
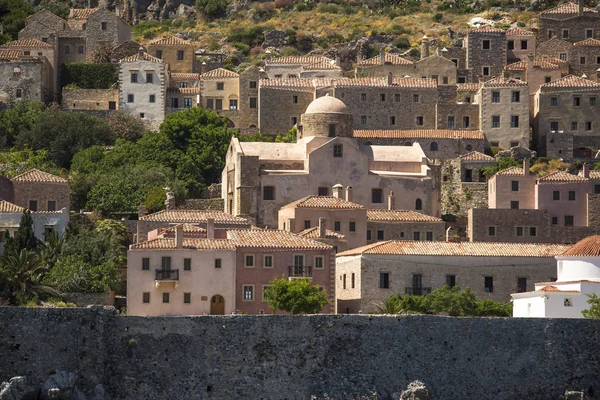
(296, 296)
(329, 9)
(251, 37)
(60, 9)
(437, 17)
(90, 75)
(402, 43)
(305, 43)
(284, 4)
(212, 8)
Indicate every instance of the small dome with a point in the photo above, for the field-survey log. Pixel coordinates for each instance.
(327, 105)
(588, 247)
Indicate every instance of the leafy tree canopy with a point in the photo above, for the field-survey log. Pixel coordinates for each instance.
(60, 9)
(594, 311)
(212, 8)
(296, 296)
(24, 238)
(12, 16)
(502, 164)
(19, 117)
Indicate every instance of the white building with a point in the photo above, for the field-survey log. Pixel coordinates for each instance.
(578, 274)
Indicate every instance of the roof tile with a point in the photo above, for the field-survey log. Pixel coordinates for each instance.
(418, 134)
(561, 176)
(298, 60)
(219, 73)
(487, 29)
(6, 207)
(329, 202)
(389, 59)
(476, 156)
(588, 247)
(468, 87)
(569, 9)
(141, 57)
(504, 82)
(571, 81)
(35, 175)
(194, 216)
(555, 289)
(274, 240)
(400, 215)
(516, 31)
(28, 43)
(82, 13)
(6, 54)
(542, 63)
(512, 171)
(171, 41)
(313, 233)
(587, 43)
(195, 243)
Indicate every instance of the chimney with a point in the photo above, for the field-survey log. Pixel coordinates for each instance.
(598, 75)
(391, 201)
(210, 228)
(358, 57)
(170, 201)
(141, 51)
(349, 193)
(337, 191)
(142, 210)
(382, 56)
(586, 170)
(338, 61)
(526, 166)
(390, 80)
(203, 67)
(529, 63)
(179, 236)
(424, 47)
(291, 225)
(322, 227)
(580, 3)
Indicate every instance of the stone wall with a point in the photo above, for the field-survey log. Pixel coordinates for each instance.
(42, 192)
(459, 196)
(27, 76)
(282, 357)
(277, 107)
(85, 299)
(90, 99)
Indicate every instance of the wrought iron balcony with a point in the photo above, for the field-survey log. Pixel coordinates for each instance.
(417, 291)
(299, 271)
(167, 274)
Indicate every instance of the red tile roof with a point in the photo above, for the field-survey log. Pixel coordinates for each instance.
(141, 57)
(568, 10)
(219, 73)
(588, 247)
(194, 216)
(274, 240)
(322, 64)
(400, 216)
(473, 249)
(328, 202)
(512, 171)
(389, 59)
(542, 63)
(6, 207)
(383, 82)
(35, 175)
(184, 77)
(555, 289)
(418, 134)
(10, 54)
(516, 31)
(171, 41)
(28, 43)
(195, 243)
(476, 156)
(504, 82)
(487, 29)
(566, 282)
(588, 43)
(187, 90)
(561, 176)
(298, 60)
(571, 81)
(82, 13)
(468, 87)
(313, 233)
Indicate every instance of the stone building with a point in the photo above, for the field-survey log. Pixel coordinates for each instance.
(486, 52)
(292, 67)
(565, 118)
(392, 224)
(248, 91)
(438, 68)
(24, 78)
(584, 58)
(458, 55)
(570, 21)
(90, 99)
(512, 188)
(555, 48)
(439, 144)
(258, 180)
(537, 71)
(183, 91)
(37, 191)
(178, 53)
(368, 275)
(383, 64)
(209, 271)
(220, 91)
(520, 43)
(143, 83)
(504, 112)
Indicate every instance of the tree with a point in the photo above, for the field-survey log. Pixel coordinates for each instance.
(60, 9)
(20, 117)
(126, 126)
(289, 137)
(296, 296)
(502, 164)
(16, 162)
(12, 16)
(594, 311)
(24, 238)
(212, 8)
(544, 166)
(21, 277)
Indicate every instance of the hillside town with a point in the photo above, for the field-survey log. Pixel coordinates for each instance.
(471, 166)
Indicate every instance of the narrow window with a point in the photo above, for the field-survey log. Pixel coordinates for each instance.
(554, 220)
(337, 226)
(554, 126)
(363, 119)
(352, 226)
(416, 236)
(344, 281)
(593, 101)
(555, 195)
(489, 284)
(491, 231)
(159, 54)
(218, 104)
(368, 234)
(353, 281)
(130, 98)
(79, 49)
(533, 231)
(166, 297)
(268, 261)
(486, 71)
(524, 44)
(187, 298)
(249, 261)
(415, 98)
(380, 234)
(576, 101)
(381, 96)
(582, 60)
(187, 264)
(217, 263)
(571, 195)
(269, 193)
(233, 104)
(252, 84)
(307, 224)
(563, 56)
(553, 101)
(521, 285)
(495, 97)
(145, 264)
(466, 121)
(519, 231)
(295, 99)
(514, 205)
(363, 97)
(152, 98)
(589, 33)
(516, 97)
(376, 195)
(248, 291)
(574, 125)
(588, 125)
(433, 146)
(51, 205)
(67, 49)
(319, 262)
(515, 186)
(180, 56)
(104, 26)
(146, 297)
(450, 122)
(331, 130)
(451, 280)
(419, 121)
(418, 204)
(514, 121)
(253, 102)
(33, 205)
(392, 120)
(510, 44)
(384, 280)
(495, 121)
(338, 150)
(485, 44)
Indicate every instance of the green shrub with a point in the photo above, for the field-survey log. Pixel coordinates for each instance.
(397, 30)
(212, 8)
(402, 43)
(251, 37)
(437, 17)
(329, 9)
(89, 75)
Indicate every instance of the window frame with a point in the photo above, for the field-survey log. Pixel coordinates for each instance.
(246, 257)
(272, 258)
(252, 292)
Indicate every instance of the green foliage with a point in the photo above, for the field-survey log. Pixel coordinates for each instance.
(437, 17)
(545, 167)
(125, 125)
(402, 43)
(60, 9)
(113, 227)
(72, 274)
(452, 301)
(12, 16)
(19, 117)
(155, 199)
(24, 238)
(90, 75)
(296, 296)
(255, 137)
(289, 137)
(502, 164)
(212, 8)
(251, 36)
(594, 311)
(21, 277)
(15, 162)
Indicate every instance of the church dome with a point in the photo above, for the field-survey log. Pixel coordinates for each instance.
(588, 247)
(327, 105)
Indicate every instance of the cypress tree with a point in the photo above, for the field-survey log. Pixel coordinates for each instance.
(24, 238)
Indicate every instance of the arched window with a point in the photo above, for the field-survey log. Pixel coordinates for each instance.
(408, 143)
(468, 147)
(433, 146)
(418, 204)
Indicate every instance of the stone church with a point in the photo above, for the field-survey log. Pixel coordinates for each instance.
(260, 178)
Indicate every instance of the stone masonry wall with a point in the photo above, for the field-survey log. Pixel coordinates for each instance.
(42, 192)
(89, 99)
(283, 357)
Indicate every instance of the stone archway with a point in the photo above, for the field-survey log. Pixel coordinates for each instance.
(217, 305)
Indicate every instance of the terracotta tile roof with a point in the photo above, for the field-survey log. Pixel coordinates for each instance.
(476, 156)
(187, 229)
(516, 31)
(383, 82)
(594, 174)
(512, 171)
(35, 175)
(329, 202)
(82, 13)
(298, 60)
(141, 57)
(171, 41)
(473, 249)
(6, 207)
(504, 82)
(28, 43)
(389, 59)
(400, 216)
(418, 134)
(542, 63)
(487, 29)
(555, 289)
(313, 233)
(184, 77)
(566, 9)
(193, 243)
(588, 247)
(561, 176)
(588, 43)
(322, 64)
(219, 73)
(274, 240)
(468, 87)
(571, 81)
(10, 54)
(566, 282)
(293, 83)
(194, 216)
(188, 90)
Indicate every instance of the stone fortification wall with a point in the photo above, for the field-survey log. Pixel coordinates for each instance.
(278, 357)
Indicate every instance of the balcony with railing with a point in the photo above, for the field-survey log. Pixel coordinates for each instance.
(299, 272)
(166, 276)
(417, 291)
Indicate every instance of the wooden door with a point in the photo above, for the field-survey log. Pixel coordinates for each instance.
(217, 305)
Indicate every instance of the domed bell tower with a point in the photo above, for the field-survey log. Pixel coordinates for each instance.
(326, 116)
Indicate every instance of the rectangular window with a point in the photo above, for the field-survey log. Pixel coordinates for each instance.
(210, 104)
(416, 235)
(450, 122)
(363, 97)
(307, 224)
(589, 33)
(582, 60)
(392, 120)
(568, 220)
(510, 44)
(145, 264)
(574, 126)
(363, 119)
(593, 101)
(429, 236)
(555, 195)
(268, 261)
(331, 130)
(380, 234)
(319, 262)
(485, 71)
(269, 193)
(152, 98)
(295, 99)
(516, 97)
(353, 280)
(533, 231)
(554, 126)
(384, 280)
(489, 284)
(554, 220)
(571, 195)
(381, 96)
(397, 97)
(187, 298)
(466, 121)
(515, 186)
(51, 205)
(249, 261)
(338, 150)
(519, 231)
(521, 285)
(337, 226)
(491, 231)
(563, 56)
(252, 84)
(233, 104)
(79, 49)
(588, 125)
(323, 191)
(248, 292)
(495, 97)
(187, 264)
(451, 280)
(165, 263)
(485, 44)
(444, 80)
(419, 121)
(596, 188)
(253, 102)
(180, 55)
(134, 77)
(187, 102)
(495, 121)
(547, 79)
(217, 263)
(514, 121)
(159, 54)
(130, 98)
(166, 297)
(33, 205)
(294, 121)
(376, 195)
(146, 297)
(565, 33)
(344, 281)
(175, 103)
(67, 49)
(514, 205)
(218, 104)
(553, 101)
(524, 44)
(576, 101)
(18, 93)
(352, 226)
(149, 77)
(415, 98)
(368, 234)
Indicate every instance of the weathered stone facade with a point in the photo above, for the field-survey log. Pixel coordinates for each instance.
(280, 108)
(520, 44)
(24, 79)
(43, 189)
(570, 21)
(248, 91)
(90, 99)
(486, 52)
